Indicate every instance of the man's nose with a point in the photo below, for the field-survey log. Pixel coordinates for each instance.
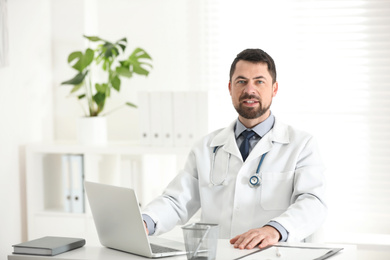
(250, 88)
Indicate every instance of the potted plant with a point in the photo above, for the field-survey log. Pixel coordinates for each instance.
(107, 61)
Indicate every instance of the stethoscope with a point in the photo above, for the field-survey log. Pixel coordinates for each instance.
(254, 180)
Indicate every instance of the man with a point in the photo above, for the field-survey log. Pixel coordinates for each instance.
(261, 180)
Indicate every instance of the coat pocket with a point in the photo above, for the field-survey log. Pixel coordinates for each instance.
(276, 190)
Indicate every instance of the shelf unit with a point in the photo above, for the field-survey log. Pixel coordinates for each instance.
(144, 168)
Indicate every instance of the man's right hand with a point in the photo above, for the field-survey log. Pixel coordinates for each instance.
(261, 237)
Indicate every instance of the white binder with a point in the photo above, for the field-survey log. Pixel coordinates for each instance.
(202, 103)
(77, 187)
(167, 118)
(176, 118)
(144, 117)
(73, 188)
(181, 120)
(192, 120)
(156, 118)
(66, 184)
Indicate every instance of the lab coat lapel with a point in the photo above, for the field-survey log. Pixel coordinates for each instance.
(278, 134)
(227, 140)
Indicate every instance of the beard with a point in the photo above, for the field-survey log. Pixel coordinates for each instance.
(251, 112)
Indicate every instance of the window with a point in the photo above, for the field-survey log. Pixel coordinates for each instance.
(333, 63)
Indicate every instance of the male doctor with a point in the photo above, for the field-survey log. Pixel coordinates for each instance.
(261, 180)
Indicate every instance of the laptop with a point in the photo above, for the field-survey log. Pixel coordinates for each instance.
(119, 222)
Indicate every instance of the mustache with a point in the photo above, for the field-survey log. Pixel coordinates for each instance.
(249, 96)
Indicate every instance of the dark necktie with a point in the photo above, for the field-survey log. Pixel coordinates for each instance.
(244, 148)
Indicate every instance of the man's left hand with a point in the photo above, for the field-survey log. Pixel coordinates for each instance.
(263, 237)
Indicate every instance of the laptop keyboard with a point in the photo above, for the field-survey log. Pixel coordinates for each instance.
(162, 249)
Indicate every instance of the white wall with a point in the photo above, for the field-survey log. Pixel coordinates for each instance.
(26, 108)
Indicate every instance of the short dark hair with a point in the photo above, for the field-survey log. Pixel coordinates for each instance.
(255, 56)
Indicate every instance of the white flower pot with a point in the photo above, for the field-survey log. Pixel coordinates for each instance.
(92, 130)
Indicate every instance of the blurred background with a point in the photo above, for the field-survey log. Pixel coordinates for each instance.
(333, 64)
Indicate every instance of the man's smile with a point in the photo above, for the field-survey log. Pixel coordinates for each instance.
(250, 102)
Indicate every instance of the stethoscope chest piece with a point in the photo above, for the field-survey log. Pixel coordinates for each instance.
(255, 180)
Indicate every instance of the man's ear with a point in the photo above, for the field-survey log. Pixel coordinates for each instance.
(274, 89)
(230, 88)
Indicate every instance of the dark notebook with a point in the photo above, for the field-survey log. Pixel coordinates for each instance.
(48, 246)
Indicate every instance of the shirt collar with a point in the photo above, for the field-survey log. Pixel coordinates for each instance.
(260, 129)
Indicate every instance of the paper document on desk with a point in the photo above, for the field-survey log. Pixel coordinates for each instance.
(291, 253)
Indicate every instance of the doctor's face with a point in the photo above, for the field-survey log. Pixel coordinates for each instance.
(252, 90)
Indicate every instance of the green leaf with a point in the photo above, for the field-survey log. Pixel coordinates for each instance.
(141, 54)
(101, 88)
(122, 43)
(76, 87)
(136, 63)
(93, 38)
(74, 55)
(76, 80)
(108, 91)
(77, 55)
(123, 47)
(139, 70)
(80, 60)
(99, 98)
(123, 71)
(111, 52)
(131, 104)
(89, 54)
(116, 83)
(107, 50)
(81, 96)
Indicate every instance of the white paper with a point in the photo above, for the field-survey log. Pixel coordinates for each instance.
(288, 253)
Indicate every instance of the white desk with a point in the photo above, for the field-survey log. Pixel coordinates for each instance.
(225, 251)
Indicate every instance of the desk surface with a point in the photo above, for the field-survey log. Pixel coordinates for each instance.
(225, 251)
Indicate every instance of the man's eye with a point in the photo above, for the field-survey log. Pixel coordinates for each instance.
(241, 82)
(260, 81)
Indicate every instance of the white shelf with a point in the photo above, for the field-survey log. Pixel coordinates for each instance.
(128, 148)
(122, 164)
(59, 212)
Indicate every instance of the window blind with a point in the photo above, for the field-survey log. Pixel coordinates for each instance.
(333, 64)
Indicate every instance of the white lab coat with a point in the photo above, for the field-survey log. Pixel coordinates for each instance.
(291, 192)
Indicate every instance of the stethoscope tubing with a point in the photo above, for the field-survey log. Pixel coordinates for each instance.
(215, 150)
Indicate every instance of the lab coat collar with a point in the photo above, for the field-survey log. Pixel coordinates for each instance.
(226, 139)
(278, 134)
